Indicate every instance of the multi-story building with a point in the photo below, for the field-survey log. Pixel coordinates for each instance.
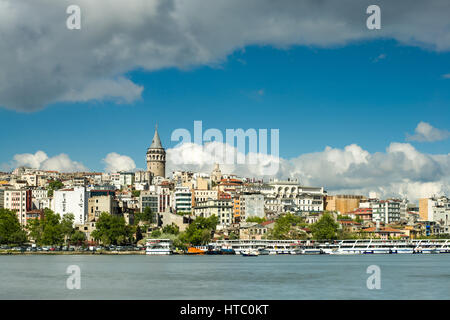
(436, 210)
(99, 204)
(2, 197)
(223, 209)
(282, 196)
(342, 203)
(149, 199)
(158, 199)
(19, 201)
(142, 176)
(247, 205)
(387, 211)
(73, 200)
(203, 195)
(182, 199)
(126, 178)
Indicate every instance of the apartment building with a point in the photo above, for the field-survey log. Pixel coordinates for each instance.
(220, 208)
(72, 200)
(19, 201)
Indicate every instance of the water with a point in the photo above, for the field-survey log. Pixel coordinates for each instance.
(225, 277)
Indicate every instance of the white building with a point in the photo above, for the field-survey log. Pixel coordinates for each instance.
(74, 200)
(437, 210)
(126, 178)
(183, 199)
(251, 205)
(387, 211)
(223, 209)
(282, 196)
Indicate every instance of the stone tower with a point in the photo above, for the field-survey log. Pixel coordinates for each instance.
(156, 157)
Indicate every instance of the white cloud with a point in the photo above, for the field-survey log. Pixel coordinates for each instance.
(40, 160)
(425, 132)
(446, 76)
(41, 57)
(401, 171)
(116, 162)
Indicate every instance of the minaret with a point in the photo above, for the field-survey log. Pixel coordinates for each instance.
(156, 157)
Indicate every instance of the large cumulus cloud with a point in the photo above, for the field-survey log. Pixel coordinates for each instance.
(400, 171)
(42, 62)
(40, 160)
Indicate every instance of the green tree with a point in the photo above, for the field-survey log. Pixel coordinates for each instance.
(139, 236)
(255, 219)
(48, 230)
(54, 185)
(156, 233)
(11, 232)
(67, 228)
(233, 236)
(146, 216)
(286, 227)
(199, 231)
(136, 193)
(325, 229)
(77, 237)
(112, 229)
(172, 229)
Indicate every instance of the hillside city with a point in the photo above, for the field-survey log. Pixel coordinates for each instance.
(193, 208)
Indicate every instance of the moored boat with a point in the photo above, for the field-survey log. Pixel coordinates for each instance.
(158, 247)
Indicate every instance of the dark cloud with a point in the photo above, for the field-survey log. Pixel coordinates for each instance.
(43, 62)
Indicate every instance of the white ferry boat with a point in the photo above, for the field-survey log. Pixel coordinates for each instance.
(360, 246)
(377, 246)
(158, 246)
(271, 247)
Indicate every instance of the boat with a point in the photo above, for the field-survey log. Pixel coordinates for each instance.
(250, 253)
(312, 251)
(263, 251)
(227, 249)
(158, 247)
(341, 247)
(198, 250)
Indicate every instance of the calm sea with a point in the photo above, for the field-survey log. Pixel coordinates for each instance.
(226, 277)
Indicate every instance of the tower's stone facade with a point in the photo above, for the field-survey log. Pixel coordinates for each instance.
(156, 157)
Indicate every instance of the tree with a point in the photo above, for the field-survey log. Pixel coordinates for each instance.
(112, 229)
(200, 231)
(255, 219)
(156, 233)
(11, 232)
(138, 234)
(54, 185)
(146, 216)
(325, 229)
(77, 237)
(233, 236)
(136, 193)
(67, 228)
(286, 227)
(172, 229)
(48, 230)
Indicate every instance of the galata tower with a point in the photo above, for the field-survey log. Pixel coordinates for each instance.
(156, 157)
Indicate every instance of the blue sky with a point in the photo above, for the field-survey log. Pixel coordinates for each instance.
(370, 93)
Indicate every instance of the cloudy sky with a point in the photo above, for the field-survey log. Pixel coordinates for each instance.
(357, 109)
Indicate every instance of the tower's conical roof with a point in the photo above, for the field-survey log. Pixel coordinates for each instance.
(156, 142)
